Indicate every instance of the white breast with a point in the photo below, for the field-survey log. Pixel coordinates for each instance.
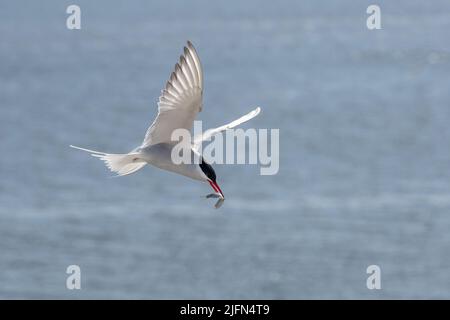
(160, 156)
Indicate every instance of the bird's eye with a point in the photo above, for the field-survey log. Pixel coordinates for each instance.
(207, 170)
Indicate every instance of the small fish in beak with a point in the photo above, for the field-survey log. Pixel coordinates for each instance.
(213, 195)
(217, 194)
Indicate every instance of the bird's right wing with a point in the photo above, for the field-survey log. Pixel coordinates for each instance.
(211, 132)
(180, 101)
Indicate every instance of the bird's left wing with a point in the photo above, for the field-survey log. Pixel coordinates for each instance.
(211, 132)
(180, 101)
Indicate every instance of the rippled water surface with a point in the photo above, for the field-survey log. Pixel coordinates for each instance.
(364, 151)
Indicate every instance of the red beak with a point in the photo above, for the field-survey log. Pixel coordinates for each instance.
(216, 188)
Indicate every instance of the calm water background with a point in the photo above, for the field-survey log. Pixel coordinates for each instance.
(364, 166)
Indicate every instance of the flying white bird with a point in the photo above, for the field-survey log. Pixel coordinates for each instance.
(178, 106)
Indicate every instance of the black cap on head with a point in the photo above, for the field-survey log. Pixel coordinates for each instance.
(207, 170)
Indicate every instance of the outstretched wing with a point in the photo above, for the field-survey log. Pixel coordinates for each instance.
(180, 101)
(210, 132)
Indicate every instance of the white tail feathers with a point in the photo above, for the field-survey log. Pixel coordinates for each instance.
(122, 164)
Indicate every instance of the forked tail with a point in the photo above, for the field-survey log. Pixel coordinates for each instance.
(122, 164)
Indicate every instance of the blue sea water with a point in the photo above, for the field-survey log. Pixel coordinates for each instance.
(364, 173)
